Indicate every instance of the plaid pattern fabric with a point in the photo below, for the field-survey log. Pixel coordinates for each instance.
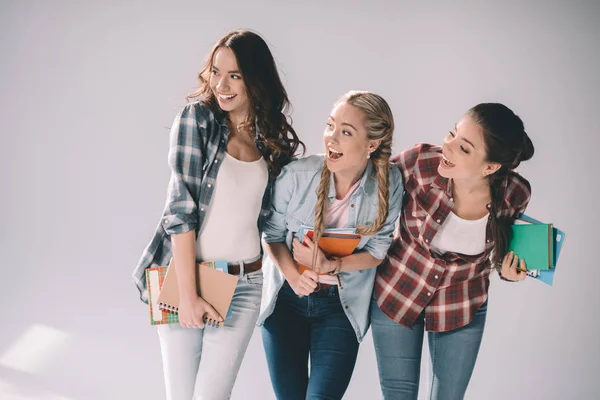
(198, 142)
(452, 287)
(166, 317)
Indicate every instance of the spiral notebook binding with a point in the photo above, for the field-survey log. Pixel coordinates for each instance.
(175, 310)
(169, 308)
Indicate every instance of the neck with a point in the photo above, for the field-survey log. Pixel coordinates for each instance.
(344, 180)
(237, 117)
(469, 187)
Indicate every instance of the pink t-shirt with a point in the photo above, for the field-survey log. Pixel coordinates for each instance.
(337, 212)
(337, 217)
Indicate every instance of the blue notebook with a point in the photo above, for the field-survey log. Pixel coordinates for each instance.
(547, 276)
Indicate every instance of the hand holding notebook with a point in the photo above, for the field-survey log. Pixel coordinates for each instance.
(333, 243)
(214, 285)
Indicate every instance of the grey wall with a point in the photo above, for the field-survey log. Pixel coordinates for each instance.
(88, 92)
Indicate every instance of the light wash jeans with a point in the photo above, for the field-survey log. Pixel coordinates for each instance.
(398, 350)
(202, 364)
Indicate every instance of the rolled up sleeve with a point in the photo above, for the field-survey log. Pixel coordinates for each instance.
(283, 190)
(379, 243)
(185, 160)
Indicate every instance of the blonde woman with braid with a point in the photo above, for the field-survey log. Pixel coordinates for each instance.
(353, 185)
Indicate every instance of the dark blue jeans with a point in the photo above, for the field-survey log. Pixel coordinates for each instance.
(398, 349)
(315, 325)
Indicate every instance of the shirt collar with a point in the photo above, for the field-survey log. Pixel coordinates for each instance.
(367, 183)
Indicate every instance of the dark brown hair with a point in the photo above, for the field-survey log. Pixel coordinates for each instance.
(507, 144)
(268, 98)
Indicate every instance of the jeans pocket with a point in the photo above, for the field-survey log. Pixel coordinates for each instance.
(255, 278)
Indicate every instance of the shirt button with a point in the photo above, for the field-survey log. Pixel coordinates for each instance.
(346, 307)
(488, 240)
(209, 185)
(202, 209)
(428, 293)
(426, 240)
(352, 205)
(166, 220)
(414, 214)
(436, 277)
(216, 161)
(439, 220)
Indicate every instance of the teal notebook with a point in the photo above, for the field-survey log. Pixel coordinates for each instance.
(533, 243)
(547, 276)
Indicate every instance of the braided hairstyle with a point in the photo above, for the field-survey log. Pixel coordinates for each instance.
(379, 123)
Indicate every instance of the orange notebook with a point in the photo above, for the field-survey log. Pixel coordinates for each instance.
(334, 244)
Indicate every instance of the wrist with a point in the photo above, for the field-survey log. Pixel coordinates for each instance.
(337, 268)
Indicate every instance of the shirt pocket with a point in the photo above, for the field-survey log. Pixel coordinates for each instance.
(298, 216)
(415, 217)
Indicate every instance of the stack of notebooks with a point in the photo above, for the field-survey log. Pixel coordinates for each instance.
(539, 245)
(215, 285)
(336, 242)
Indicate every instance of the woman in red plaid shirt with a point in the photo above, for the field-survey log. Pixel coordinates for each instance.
(459, 203)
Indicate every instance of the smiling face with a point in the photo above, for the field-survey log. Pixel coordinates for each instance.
(464, 152)
(346, 141)
(227, 83)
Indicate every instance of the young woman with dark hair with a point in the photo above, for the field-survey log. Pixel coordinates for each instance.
(459, 203)
(227, 146)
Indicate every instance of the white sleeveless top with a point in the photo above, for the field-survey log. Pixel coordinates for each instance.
(461, 236)
(230, 230)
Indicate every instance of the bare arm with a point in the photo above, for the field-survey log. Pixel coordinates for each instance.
(184, 254)
(354, 262)
(191, 306)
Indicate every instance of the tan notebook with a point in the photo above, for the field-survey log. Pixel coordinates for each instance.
(214, 286)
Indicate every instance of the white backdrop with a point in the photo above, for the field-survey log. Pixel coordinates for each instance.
(89, 90)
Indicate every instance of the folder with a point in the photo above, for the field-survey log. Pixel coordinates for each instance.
(533, 243)
(559, 236)
(336, 242)
(213, 283)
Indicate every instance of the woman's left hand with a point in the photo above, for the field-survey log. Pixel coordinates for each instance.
(303, 254)
(509, 267)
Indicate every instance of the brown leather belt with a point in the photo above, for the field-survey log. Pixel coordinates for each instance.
(322, 286)
(234, 269)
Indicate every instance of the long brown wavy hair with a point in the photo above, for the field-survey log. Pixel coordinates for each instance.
(269, 102)
(379, 123)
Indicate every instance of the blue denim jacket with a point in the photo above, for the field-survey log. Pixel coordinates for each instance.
(293, 204)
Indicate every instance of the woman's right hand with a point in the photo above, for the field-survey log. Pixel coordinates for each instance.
(192, 312)
(304, 284)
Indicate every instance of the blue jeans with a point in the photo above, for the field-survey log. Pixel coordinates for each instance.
(315, 325)
(398, 349)
(204, 363)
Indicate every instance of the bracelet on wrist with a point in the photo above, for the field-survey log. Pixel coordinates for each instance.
(338, 266)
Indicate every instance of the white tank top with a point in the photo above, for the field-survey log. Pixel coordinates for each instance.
(461, 236)
(230, 230)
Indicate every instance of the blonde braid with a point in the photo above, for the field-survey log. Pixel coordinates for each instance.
(379, 124)
(321, 208)
(381, 163)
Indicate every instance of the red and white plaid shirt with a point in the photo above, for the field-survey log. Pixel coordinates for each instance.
(451, 287)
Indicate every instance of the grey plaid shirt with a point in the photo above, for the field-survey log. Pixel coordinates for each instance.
(198, 142)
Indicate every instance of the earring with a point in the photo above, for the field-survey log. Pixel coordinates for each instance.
(368, 155)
